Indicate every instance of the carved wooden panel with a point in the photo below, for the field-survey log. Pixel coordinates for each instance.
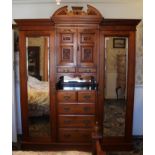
(67, 38)
(77, 10)
(77, 14)
(87, 46)
(67, 54)
(86, 54)
(86, 38)
(66, 43)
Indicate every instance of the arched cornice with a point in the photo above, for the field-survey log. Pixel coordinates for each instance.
(77, 15)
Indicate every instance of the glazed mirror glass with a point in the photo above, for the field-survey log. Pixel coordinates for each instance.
(116, 57)
(37, 55)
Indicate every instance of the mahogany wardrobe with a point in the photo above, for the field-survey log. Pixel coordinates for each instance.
(77, 69)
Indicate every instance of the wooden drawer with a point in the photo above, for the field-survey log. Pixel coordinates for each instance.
(66, 96)
(87, 70)
(66, 69)
(87, 96)
(76, 121)
(75, 135)
(76, 108)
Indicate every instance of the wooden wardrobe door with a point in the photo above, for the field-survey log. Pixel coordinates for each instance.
(87, 47)
(66, 45)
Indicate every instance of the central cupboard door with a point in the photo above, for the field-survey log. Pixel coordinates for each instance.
(87, 47)
(77, 48)
(66, 46)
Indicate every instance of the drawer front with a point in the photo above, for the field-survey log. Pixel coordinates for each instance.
(87, 70)
(88, 96)
(66, 70)
(76, 121)
(66, 96)
(77, 135)
(76, 108)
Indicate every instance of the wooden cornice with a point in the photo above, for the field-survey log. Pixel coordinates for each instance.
(77, 15)
(121, 22)
(34, 24)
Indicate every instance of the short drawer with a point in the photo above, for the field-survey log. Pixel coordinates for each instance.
(66, 69)
(75, 135)
(87, 96)
(87, 70)
(76, 108)
(76, 121)
(66, 96)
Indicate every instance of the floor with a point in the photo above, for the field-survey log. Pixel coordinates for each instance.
(138, 150)
(114, 117)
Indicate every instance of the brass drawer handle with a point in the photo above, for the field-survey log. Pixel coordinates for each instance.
(86, 122)
(66, 109)
(88, 70)
(85, 135)
(68, 121)
(67, 135)
(66, 70)
(67, 30)
(87, 97)
(86, 109)
(66, 98)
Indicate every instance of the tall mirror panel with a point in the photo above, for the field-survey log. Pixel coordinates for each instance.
(115, 99)
(38, 86)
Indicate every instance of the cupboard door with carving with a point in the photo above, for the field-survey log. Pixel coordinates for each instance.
(87, 51)
(66, 45)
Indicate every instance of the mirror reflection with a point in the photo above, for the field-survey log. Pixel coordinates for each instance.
(116, 50)
(38, 86)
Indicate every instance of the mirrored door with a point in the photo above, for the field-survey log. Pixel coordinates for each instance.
(115, 98)
(37, 56)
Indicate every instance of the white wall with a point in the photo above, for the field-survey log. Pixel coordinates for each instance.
(17, 93)
(14, 125)
(138, 111)
(108, 8)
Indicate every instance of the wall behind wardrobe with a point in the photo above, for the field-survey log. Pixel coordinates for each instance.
(108, 8)
(118, 9)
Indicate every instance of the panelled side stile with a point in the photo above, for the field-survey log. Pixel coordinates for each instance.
(23, 84)
(52, 86)
(131, 83)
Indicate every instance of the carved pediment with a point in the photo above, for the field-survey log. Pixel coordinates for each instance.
(77, 14)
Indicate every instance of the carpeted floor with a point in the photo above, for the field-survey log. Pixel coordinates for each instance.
(114, 117)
